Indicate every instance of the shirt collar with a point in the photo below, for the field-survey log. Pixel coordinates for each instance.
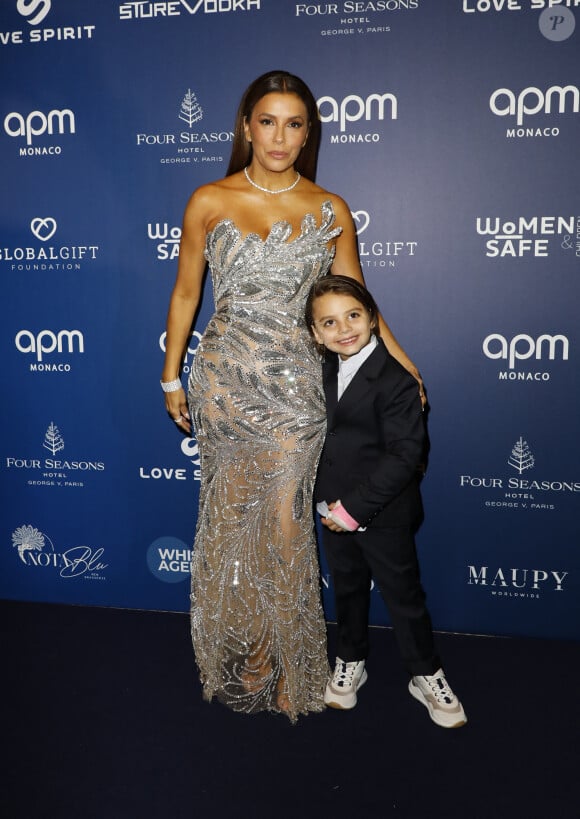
(351, 364)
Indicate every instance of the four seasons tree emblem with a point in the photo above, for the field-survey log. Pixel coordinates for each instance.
(190, 111)
(521, 457)
(53, 440)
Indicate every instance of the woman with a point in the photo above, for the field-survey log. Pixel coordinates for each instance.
(267, 231)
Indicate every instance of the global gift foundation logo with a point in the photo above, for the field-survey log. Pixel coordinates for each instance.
(29, 257)
(376, 251)
(37, 552)
(43, 228)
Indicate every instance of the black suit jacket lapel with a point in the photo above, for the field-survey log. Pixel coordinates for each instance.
(330, 383)
(362, 382)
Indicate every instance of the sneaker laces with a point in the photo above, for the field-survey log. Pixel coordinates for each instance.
(440, 688)
(344, 673)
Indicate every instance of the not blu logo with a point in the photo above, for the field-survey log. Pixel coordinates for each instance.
(169, 559)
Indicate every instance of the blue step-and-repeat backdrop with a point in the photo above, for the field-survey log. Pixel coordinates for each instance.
(451, 127)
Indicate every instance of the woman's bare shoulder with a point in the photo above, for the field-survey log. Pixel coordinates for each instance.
(208, 202)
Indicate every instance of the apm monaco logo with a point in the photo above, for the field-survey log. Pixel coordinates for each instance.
(37, 551)
(34, 12)
(166, 238)
(37, 124)
(511, 492)
(516, 582)
(380, 253)
(54, 469)
(47, 342)
(531, 102)
(353, 108)
(190, 352)
(143, 9)
(523, 347)
(528, 236)
(188, 146)
(47, 257)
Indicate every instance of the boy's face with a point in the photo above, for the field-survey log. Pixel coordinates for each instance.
(341, 323)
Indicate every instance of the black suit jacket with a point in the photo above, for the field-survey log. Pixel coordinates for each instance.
(374, 443)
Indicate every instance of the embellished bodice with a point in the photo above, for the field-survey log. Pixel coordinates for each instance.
(250, 273)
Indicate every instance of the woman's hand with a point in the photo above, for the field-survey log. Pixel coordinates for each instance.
(176, 406)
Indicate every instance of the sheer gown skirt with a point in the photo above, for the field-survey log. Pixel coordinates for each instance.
(257, 621)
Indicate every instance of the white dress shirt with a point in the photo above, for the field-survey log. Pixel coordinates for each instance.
(348, 368)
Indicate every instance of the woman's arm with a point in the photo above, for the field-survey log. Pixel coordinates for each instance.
(184, 302)
(347, 263)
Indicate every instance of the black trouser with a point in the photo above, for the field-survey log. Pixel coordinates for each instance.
(388, 555)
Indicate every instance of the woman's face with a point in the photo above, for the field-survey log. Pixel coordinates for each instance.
(277, 128)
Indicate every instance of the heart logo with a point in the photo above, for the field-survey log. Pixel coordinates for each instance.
(362, 220)
(43, 229)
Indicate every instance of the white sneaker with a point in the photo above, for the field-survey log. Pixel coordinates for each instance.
(436, 695)
(342, 687)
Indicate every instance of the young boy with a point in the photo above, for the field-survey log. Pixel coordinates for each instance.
(368, 493)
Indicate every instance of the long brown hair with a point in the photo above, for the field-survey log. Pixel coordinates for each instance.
(276, 82)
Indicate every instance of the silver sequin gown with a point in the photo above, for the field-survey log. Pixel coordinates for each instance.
(258, 412)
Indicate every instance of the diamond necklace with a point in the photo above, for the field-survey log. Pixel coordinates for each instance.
(265, 190)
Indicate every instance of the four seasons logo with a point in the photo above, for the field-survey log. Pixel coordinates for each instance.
(54, 469)
(190, 111)
(521, 457)
(518, 492)
(53, 440)
(190, 145)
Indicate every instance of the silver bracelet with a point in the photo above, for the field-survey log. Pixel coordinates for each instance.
(171, 386)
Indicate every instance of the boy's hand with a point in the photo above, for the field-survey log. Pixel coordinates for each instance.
(341, 521)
